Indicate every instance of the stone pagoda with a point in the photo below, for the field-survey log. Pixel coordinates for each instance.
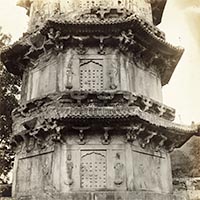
(91, 124)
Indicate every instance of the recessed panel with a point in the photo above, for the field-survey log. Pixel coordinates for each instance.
(93, 169)
(91, 75)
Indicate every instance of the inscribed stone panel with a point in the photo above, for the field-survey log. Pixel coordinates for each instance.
(151, 172)
(42, 81)
(34, 174)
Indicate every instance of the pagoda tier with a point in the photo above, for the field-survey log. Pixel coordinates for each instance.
(91, 124)
(130, 48)
(135, 117)
(40, 10)
(123, 138)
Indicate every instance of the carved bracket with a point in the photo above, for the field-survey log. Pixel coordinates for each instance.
(106, 137)
(81, 130)
(147, 139)
(130, 136)
(81, 50)
(161, 143)
(79, 96)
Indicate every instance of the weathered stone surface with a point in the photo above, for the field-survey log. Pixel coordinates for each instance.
(156, 63)
(116, 166)
(91, 72)
(91, 125)
(41, 10)
(110, 196)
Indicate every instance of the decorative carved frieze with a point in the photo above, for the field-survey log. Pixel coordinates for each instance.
(125, 101)
(103, 13)
(44, 137)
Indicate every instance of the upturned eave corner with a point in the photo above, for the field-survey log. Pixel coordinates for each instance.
(158, 7)
(171, 65)
(152, 119)
(91, 102)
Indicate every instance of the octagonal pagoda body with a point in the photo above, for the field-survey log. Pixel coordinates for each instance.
(91, 124)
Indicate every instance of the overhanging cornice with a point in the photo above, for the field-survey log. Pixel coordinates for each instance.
(145, 38)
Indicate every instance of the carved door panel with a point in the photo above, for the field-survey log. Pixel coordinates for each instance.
(93, 169)
(91, 75)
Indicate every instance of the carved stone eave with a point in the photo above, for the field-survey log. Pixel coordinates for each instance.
(157, 10)
(80, 99)
(150, 39)
(11, 56)
(167, 135)
(44, 118)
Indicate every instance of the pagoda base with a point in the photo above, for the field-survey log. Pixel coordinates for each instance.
(99, 169)
(104, 195)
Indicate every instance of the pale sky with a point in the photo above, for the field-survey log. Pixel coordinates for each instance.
(180, 23)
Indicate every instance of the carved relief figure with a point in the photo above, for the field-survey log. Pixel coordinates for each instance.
(119, 168)
(56, 39)
(113, 73)
(68, 72)
(46, 172)
(30, 144)
(69, 167)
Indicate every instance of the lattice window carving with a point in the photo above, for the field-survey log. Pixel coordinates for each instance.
(91, 75)
(93, 169)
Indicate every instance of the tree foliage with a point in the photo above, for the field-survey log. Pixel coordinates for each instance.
(195, 155)
(181, 164)
(9, 90)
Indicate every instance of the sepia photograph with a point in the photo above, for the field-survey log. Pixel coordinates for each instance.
(99, 100)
